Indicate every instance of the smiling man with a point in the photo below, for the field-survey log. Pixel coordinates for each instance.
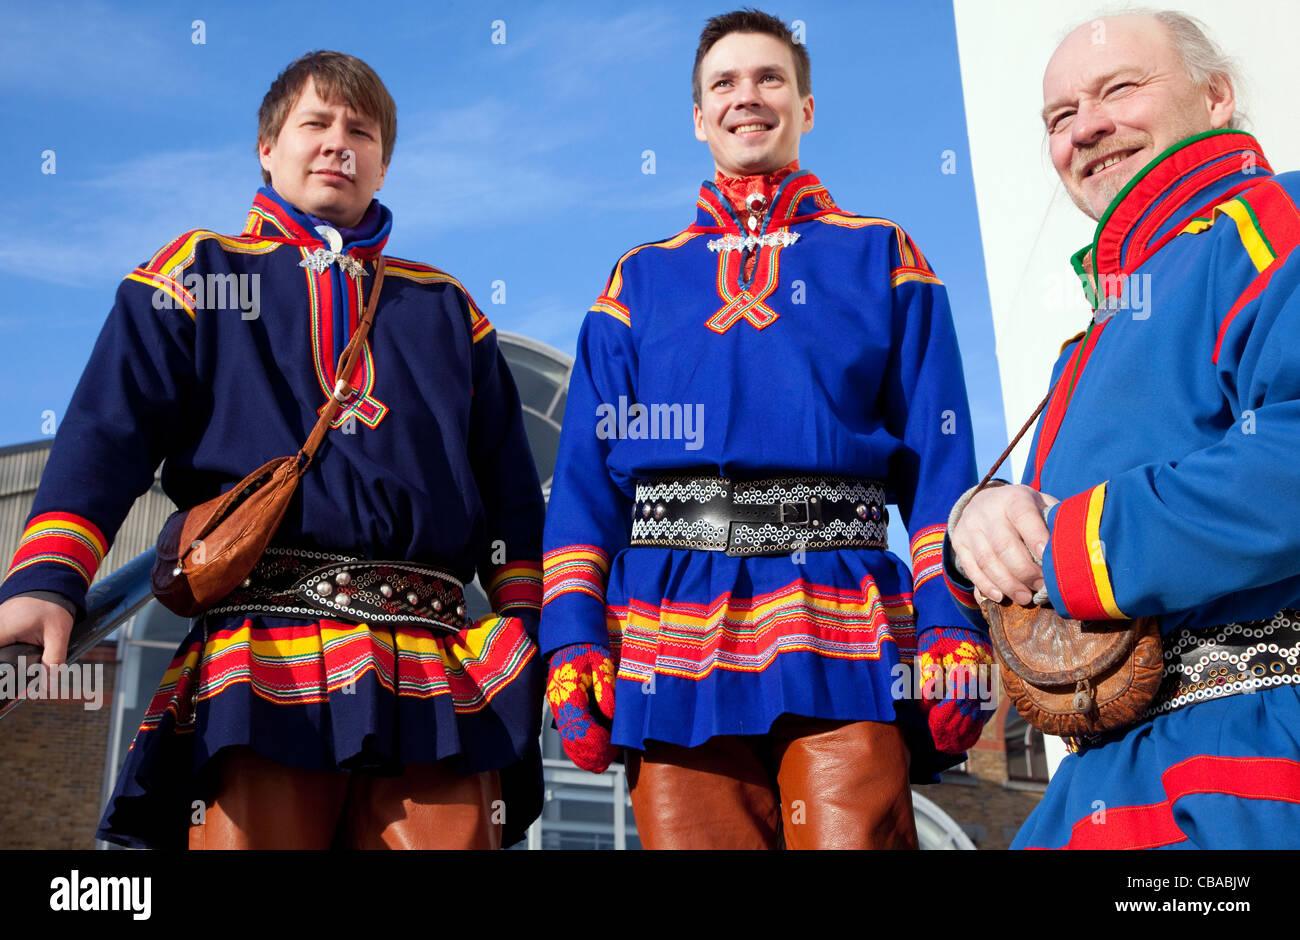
(1162, 480)
(734, 592)
(341, 696)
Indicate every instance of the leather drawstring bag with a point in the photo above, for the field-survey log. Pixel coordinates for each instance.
(206, 551)
(1072, 678)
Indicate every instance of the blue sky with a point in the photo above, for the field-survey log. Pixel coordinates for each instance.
(520, 162)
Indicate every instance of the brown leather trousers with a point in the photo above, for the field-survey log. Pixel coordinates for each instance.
(808, 783)
(261, 804)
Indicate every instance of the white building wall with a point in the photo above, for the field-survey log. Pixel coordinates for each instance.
(1028, 224)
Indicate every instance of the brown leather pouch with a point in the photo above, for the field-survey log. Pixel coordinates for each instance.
(1072, 677)
(204, 552)
(1075, 677)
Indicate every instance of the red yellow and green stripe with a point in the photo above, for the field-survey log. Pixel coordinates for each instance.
(927, 554)
(517, 584)
(303, 664)
(1079, 560)
(746, 634)
(574, 569)
(62, 538)
(613, 308)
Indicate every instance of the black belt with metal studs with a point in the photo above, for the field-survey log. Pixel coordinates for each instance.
(1216, 662)
(291, 582)
(768, 516)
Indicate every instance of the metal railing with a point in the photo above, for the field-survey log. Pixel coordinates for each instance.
(109, 604)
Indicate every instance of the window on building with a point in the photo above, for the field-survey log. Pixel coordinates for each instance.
(1026, 752)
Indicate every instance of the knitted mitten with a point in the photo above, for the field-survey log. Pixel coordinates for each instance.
(576, 672)
(956, 670)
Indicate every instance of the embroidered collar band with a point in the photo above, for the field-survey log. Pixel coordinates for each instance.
(274, 218)
(798, 197)
(1185, 181)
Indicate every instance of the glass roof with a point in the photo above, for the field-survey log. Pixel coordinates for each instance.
(541, 374)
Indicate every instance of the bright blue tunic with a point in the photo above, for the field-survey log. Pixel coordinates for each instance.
(836, 357)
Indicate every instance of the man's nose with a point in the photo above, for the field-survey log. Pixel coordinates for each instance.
(1091, 123)
(334, 139)
(747, 92)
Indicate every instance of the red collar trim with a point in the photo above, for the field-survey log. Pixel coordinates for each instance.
(798, 198)
(283, 221)
(1151, 199)
(737, 188)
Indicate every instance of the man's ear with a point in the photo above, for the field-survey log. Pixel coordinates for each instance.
(264, 154)
(1222, 102)
(808, 114)
(383, 175)
(698, 116)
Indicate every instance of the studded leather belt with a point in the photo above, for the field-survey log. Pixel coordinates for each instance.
(298, 583)
(769, 516)
(1216, 662)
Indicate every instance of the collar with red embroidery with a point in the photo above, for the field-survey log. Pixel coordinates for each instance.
(738, 189)
(275, 219)
(796, 197)
(1187, 179)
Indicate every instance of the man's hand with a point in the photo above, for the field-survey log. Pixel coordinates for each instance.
(999, 541)
(580, 688)
(956, 669)
(41, 623)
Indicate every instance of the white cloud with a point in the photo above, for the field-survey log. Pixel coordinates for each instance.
(88, 232)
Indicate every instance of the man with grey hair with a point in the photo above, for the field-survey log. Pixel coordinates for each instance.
(1162, 480)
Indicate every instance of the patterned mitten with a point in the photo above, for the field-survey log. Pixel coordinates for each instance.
(956, 670)
(576, 673)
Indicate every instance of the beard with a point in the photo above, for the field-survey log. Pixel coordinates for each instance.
(1103, 193)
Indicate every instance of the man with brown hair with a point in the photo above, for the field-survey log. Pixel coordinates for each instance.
(738, 569)
(341, 696)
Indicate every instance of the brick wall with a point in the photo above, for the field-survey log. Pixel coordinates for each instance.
(52, 757)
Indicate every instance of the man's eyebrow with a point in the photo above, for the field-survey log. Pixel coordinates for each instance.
(358, 118)
(1097, 83)
(730, 73)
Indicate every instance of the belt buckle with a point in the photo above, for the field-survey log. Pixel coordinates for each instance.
(792, 510)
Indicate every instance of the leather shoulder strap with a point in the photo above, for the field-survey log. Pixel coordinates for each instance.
(343, 392)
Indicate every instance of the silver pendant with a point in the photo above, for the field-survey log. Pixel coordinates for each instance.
(351, 265)
(320, 260)
(780, 239)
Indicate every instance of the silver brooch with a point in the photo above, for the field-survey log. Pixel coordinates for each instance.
(320, 259)
(780, 239)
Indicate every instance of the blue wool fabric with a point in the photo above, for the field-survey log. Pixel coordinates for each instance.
(1170, 440)
(428, 463)
(836, 355)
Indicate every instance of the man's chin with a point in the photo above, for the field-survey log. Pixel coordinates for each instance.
(1094, 200)
(329, 210)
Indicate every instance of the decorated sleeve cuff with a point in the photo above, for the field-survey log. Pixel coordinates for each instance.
(573, 597)
(516, 587)
(937, 607)
(49, 580)
(1074, 563)
(961, 590)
